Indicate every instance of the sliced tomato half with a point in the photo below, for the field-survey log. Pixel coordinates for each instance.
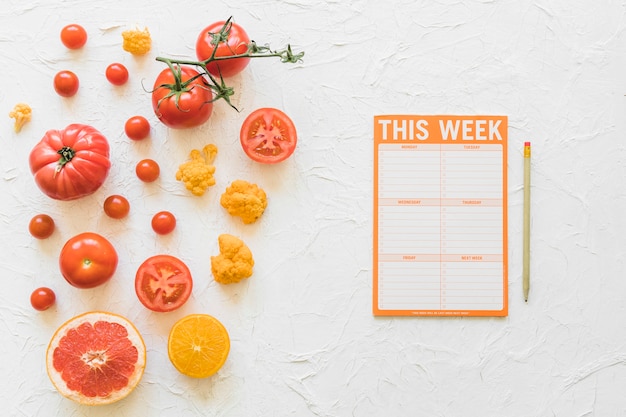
(268, 136)
(163, 283)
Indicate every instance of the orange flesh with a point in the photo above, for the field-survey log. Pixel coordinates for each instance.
(198, 345)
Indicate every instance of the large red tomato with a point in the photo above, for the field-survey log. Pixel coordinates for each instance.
(88, 260)
(236, 43)
(70, 163)
(182, 103)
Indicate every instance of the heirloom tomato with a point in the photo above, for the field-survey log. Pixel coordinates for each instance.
(70, 163)
(87, 260)
(235, 43)
(182, 98)
(268, 136)
(163, 283)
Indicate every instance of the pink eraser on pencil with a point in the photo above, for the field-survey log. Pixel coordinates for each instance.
(526, 143)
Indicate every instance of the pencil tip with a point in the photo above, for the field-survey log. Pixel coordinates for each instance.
(526, 299)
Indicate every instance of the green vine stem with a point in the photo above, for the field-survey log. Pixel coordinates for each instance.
(219, 87)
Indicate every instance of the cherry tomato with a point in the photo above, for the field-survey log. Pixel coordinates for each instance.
(88, 260)
(163, 283)
(147, 170)
(236, 44)
(268, 135)
(137, 128)
(184, 104)
(117, 74)
(42, 298)
(73, 36)
(163, 222)
(66, 83)
(116, 206)
(41, 226)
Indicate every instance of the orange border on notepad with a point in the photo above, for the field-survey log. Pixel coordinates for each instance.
(411, 130)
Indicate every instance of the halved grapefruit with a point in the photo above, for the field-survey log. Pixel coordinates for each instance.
(96, 358)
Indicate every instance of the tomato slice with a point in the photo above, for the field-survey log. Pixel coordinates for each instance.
(268, 136)
(163, 283)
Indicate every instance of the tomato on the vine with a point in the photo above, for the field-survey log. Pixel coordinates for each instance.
(163, 283)
(41, 226)
(147, 170)
(66, 83)
(42, 298)
(236, 43)
(116, 206)
(117, 74)
(73, 36)
(183, 100)
(163, 222)
(137, 128)
(268, 136)
(88, 260)
(70, 163)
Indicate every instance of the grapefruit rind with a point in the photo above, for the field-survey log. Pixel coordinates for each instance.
(92, 317)
(189, 349)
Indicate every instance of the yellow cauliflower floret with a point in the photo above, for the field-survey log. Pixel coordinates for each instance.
(245, 200)
(234, 262)
(197, 173)
(22, 114)
(137, 42)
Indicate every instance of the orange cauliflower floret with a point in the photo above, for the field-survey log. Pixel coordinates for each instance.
(197, 174)
(234, 262)
(22, 114)
(137, 42)
(245, 200)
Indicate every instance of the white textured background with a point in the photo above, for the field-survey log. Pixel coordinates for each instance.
(304, 341)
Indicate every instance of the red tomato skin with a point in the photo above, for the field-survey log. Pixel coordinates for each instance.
(147, 170)
(164, 272)
(42, 298)
(163, 222)
(73, 36)
(66, 83)
(79, 177)
(271, 123)
(137, 128)
(194, 107)
(41, 226)
(117, 74)
(116, 206)
(236, 44)
(88, 260)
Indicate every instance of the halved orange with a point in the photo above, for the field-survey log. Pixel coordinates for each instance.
(198, 345)
(96, 358)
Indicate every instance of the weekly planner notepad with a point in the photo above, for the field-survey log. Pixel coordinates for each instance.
(440, 215)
